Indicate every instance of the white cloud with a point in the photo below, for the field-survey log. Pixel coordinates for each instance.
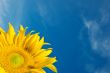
(100, 41)
(3, 10)
(99, 37)
(11, 11)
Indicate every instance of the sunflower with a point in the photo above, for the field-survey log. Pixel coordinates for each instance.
(24, 53)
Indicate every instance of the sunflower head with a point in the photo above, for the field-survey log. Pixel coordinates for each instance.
(24, 53)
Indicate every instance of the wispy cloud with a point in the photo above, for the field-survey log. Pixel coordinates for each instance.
(3, 11)
(99, 37)
(11, 11)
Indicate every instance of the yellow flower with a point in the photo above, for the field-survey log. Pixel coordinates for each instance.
(24, 53)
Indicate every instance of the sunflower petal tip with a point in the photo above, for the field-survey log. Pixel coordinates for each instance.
(33, 31)
(53, 68)
(47, 43)
(26, 28)
(37, 32)
(50, 48)
(43, 38)
(56, 71)
(10, 25)
(21, 26)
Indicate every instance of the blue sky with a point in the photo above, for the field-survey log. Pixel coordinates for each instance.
(77, 29)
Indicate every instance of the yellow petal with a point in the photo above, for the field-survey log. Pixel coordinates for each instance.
(51, 60)
(29, 44)
(10, 34)
(2, 70)
(44, 62)
(47, 43)
(1, 30)
(20, 37)
(3, 39)
(37, 70)
(42, 71)
(44, 53)
(52, 67)
(1, 45)
(21, 28)
(38, 45)
(28, 36)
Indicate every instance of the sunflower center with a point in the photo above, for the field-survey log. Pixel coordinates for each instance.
(16, 60)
